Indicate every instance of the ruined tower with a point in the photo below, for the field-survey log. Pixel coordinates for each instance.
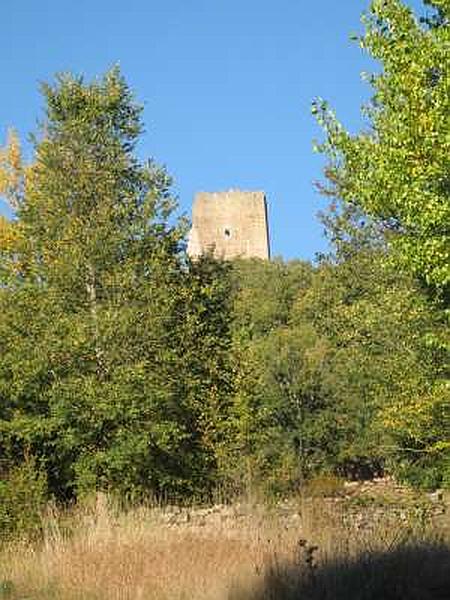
(230, 224)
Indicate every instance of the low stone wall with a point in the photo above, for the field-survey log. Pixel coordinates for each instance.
(360, 506)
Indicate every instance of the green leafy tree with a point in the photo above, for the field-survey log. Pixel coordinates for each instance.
(390, 193)
(96, 306)
(204, 368)
(383, 374)
(286, 429)
(264, 293)
(277, 429)
(396, 172)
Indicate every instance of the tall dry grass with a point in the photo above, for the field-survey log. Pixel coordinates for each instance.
(98, 552)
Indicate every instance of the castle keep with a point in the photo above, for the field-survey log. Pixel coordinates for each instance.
(230, 224)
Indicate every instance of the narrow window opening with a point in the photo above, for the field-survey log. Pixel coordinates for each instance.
(227, 232)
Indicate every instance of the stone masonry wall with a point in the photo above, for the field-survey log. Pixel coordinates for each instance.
(231, 224)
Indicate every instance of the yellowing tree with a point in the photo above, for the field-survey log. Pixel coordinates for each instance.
(11, 170)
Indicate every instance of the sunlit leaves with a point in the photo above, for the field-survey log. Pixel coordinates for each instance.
(390, 189)
(11, 170)
(110, 341)
(397, 173)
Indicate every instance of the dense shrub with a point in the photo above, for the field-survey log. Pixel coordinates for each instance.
(23, 495)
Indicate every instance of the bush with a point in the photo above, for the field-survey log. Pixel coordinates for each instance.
(23, 494)
(322, 486)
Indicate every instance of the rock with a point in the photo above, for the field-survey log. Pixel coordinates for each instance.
(436, 496)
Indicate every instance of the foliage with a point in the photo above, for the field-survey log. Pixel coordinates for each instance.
(100, 315)
(380, 366)
(278, 426)
(264, 293)
(23, 496)
(335, 373)
(127, 367)
(390, 193)
(11, 169)
(396, 172)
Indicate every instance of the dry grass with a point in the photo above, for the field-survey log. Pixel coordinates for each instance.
(98, 553)
(134, 555)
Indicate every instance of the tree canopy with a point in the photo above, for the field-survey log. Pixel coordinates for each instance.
(99, 310)
(127, 367)
(397, 171)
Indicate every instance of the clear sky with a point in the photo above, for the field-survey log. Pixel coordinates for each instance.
(227, 87)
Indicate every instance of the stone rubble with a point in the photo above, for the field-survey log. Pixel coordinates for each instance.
(362, 505)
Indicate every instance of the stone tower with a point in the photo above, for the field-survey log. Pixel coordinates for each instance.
(230, 224)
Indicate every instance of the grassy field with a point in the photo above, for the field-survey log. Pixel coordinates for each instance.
(313, 548)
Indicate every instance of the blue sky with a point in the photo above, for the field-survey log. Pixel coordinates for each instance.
(227, 87)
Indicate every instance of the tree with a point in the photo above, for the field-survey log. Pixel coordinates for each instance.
(95, 300)
(380, 367)
(11, 169)
(277, 432)
(396, 172)
(264, 293)
(390, 190)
